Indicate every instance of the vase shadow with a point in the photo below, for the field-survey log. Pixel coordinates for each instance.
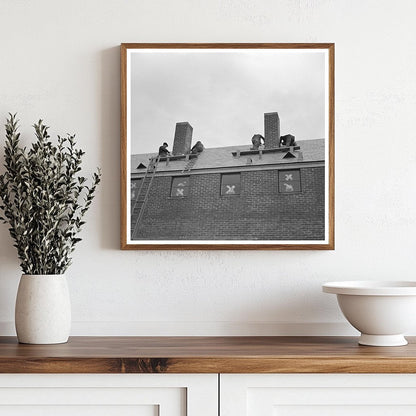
(109, 131)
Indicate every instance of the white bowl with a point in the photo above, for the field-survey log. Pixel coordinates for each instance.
(381, 311)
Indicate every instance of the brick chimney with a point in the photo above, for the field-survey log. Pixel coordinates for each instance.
(271, 130)
(183, 138)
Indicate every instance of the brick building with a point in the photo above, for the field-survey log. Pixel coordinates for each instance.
(272, 192)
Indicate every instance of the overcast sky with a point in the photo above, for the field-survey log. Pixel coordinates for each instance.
(224, 95)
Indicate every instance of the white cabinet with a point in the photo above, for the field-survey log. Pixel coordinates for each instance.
(317, 394)
(109, 394)
(197, 394)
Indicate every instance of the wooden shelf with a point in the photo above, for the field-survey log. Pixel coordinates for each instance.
(206, 355)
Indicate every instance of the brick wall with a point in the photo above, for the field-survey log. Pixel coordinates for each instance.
(260, 212)
(271, 130)
(183, 138)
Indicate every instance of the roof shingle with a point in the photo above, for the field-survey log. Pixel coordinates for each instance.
(219, 157)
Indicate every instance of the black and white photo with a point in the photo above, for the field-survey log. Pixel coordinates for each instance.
(227, 146)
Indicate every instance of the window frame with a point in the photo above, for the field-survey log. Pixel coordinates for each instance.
(186, 194)
(281, 172)
(137, 188)
(222, 184)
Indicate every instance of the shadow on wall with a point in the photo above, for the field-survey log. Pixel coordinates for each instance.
(9, 278)
(9, 267)
(109, 210)
(266, 317)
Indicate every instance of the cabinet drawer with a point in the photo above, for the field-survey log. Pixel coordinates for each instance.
(108, 394)
(318, 394)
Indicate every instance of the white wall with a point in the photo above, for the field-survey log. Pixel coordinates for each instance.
(60, 61)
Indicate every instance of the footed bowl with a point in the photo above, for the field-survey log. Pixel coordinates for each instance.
(381, 311)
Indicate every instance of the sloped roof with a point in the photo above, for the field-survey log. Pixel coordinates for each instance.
(219, 157)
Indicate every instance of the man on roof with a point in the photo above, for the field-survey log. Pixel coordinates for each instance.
(163, 150)
(258, 141)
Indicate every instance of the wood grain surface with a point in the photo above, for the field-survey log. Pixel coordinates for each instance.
(206, 355)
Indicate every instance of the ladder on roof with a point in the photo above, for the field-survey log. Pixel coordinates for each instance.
(190, 164)
(137, 210)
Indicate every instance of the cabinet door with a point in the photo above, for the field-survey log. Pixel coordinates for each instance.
(108, 395)
(318, 394)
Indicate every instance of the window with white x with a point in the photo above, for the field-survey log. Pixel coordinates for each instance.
(180, 187)
(230, 184)
(289, 181)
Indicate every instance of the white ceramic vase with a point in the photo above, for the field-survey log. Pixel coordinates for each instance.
(43, 309)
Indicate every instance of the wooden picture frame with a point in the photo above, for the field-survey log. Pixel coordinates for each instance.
(233, 187)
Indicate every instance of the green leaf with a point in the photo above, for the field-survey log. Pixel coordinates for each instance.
(44, 198)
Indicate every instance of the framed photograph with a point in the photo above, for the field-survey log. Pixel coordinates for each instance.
(227, 146)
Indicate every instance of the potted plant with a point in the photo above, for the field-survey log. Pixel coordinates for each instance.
(44, 199)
